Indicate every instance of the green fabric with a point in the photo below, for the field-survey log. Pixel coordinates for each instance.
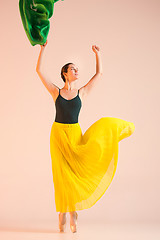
(35, 15)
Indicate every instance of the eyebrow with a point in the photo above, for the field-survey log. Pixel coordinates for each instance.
(74, 68)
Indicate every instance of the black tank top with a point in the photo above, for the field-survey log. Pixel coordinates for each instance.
(67, 111)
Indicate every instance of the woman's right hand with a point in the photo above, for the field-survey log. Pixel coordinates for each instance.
(43, 46)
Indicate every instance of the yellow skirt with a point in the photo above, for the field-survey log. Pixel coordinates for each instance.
(83, 165)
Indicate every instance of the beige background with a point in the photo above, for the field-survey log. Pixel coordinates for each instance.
(128, 35)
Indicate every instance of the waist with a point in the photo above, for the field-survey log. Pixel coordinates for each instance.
(65, 125)
(66, 122)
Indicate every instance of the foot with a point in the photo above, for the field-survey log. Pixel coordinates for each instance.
(73, 221)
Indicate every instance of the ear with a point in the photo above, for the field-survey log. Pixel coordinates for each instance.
(64, 74)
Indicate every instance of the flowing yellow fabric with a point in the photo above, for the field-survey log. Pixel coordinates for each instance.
(83, 165)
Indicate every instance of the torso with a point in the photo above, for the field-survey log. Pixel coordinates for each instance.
(67, 108)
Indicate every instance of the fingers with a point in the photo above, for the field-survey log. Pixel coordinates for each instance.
(45, 43)
(95, 48)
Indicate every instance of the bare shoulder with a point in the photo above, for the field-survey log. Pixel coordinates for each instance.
(54, 92)
(82, 93)
(86, 89)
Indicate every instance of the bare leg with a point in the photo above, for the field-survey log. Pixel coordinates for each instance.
(72, 217)
(62, 221)
(62, 217)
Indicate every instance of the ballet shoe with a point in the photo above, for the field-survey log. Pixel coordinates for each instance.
(74, 227)
(62, 226)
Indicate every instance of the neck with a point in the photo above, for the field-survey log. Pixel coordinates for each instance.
(68, 85)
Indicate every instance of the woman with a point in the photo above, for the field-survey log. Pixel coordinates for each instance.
(83, 165)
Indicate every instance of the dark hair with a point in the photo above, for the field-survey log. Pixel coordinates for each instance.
(64, 69)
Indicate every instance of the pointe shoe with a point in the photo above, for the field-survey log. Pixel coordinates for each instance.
(62, 226)
(74, 227)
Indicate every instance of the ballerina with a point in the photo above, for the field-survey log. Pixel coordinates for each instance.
(83, 165)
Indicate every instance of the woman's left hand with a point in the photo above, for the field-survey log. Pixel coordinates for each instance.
(95, 49)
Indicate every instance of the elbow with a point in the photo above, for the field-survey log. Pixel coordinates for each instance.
(37, 69)
(99, 73)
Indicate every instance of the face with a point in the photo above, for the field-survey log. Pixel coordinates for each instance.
(72, 73)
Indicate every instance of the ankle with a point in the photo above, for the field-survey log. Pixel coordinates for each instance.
(72, 213)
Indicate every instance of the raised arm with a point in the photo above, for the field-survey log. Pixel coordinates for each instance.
(52, 88)
(98, 75)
